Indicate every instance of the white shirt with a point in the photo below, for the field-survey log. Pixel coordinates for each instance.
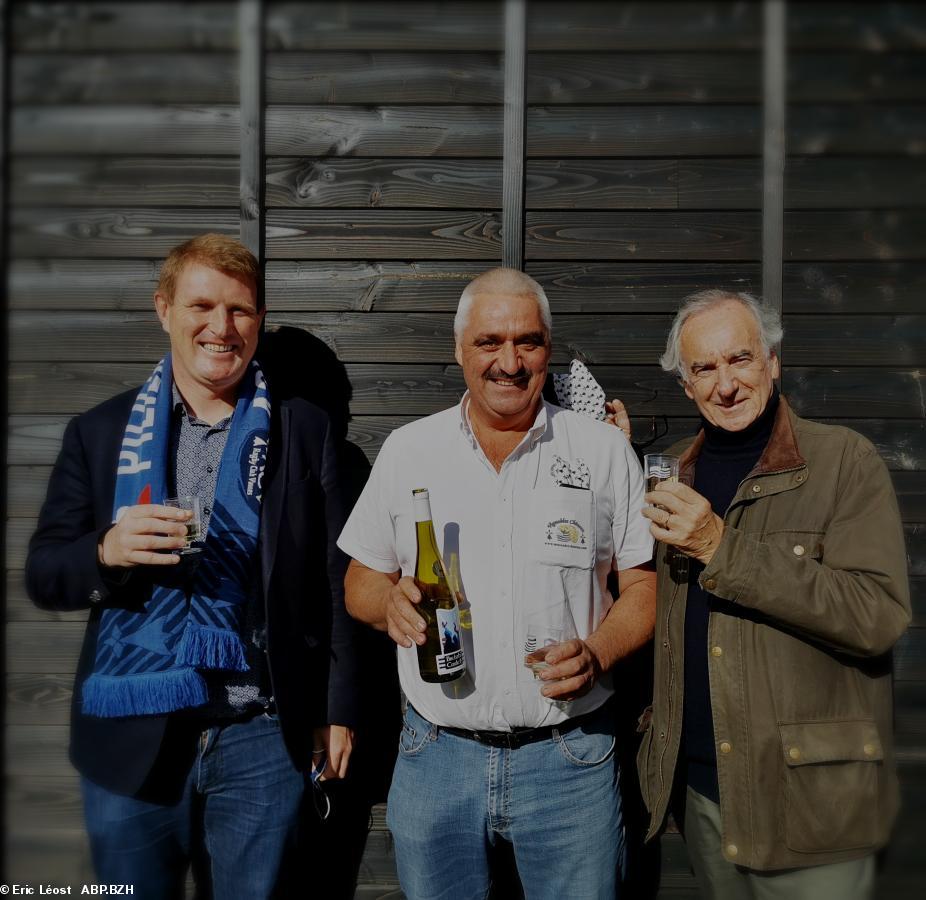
(528, 547)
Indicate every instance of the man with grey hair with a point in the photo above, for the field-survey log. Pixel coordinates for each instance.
(782, 589)
(534, 506)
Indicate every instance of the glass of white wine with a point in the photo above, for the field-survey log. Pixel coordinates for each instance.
(543, 631)
(658, 467)
(193, 526)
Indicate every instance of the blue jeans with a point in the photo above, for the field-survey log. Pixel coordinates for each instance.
(239, 806)
(556, 801)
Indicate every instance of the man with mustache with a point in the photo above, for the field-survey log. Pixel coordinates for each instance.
(539, 505)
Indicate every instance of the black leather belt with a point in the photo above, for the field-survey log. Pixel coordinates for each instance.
(518, 737)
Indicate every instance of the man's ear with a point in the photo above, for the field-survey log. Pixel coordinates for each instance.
(775, 363)
(162, 307)
(686, 388)
(458, 354)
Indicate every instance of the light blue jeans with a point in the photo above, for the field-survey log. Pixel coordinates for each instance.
(240, 805)
(556, 801)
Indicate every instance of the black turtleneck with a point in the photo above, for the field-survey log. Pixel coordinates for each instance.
(726, 458)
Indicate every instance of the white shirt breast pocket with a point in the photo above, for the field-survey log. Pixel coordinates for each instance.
(561, 527)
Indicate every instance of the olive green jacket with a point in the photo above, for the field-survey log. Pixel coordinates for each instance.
(813, 556)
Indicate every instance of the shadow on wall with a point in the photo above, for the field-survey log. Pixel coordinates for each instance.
(298, 364)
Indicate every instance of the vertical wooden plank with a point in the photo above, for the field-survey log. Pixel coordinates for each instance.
(773, 150)
(514, 146)
(251, 58)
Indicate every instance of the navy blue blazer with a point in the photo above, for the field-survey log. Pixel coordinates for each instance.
(310, 637)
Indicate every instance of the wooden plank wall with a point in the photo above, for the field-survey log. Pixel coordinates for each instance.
(384, 128)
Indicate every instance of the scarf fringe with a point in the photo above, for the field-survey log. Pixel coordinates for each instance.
(211, 648)
(151, 693)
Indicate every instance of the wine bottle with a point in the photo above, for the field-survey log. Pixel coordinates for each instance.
(440, 657)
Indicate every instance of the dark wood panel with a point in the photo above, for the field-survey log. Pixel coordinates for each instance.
(372, 25)
(82, 283)
(384, 77)
(856, 129)
(37, 801)
(856, 235)
(59, 856)
(726, 235)
(324, 234)
(916, 559)
(41, 699)
(42, 232)
(918, 599)
(643, 131)
(871, 26)
(644, 236)
(34, 438)
(124, 77)
(602, 184)
(393, 337)
(911, 495)
(200, 26)
(38, 749)
(26, 489)
(734, 130)
(810, 183)
(910, 651)
(855, 392)
(847, 287)
(449, 184)
(51, 648)
(124, 130)
(590, 77)
(384, 131)
(818, 287)
(133, 181)
(19, 608)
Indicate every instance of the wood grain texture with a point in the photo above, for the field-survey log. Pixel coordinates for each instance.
(38, 699)
(464, 131)
(112, 233)
(392, 337)
(124, 181)
(384, 77)
(82, 26)
(124, 77)
(831, 392)
(38, 749)
(384, 183)
(51, 648)
(125, 130)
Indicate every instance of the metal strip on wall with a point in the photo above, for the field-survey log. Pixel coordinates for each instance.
(774, 61)
(514, 127)
(251, 62)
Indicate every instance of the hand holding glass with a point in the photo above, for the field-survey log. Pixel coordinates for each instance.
(193, 525)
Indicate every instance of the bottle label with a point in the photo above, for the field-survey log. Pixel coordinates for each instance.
(450, 659)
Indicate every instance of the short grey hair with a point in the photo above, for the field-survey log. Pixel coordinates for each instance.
(767, 318)
(502, 281)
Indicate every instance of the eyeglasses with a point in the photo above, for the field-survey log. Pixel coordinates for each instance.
(320, 799)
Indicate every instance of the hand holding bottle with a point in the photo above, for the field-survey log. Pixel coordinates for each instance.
(404, 623)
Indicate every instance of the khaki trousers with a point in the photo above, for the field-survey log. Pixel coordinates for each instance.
(719, 879)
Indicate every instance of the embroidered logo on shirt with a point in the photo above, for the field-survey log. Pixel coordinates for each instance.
(565, 533)
(570, 474)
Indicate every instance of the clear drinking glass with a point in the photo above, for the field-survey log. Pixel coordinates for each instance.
(544, 630)
(193, 526)
(658, 467)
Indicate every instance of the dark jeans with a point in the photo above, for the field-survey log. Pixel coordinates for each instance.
(237, 813)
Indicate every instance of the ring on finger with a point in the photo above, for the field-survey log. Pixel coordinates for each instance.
(665, 524)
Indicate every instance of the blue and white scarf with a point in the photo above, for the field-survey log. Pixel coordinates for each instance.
(147, 661)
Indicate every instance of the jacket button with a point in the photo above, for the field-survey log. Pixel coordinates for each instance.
(799, 550)
(869, 749)
(662, 735)
(710, 584)
(725, 746)
(794, 753)
(95, 596)
(665, 644)
(799, 477)
(732, 850)
(757, 488)
(716, 651)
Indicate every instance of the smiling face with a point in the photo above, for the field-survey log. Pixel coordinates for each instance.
(214, 323)
(727, 372)
(504, 350)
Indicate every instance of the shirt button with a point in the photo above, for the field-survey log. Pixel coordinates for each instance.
(716, 651)
(794, 753)
(710, 584)
(799, 550)
(209, 469)
(206, 510)
(725, 746)
(757, 488)
(732, 850)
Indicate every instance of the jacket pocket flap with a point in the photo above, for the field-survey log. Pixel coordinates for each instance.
(806, 743)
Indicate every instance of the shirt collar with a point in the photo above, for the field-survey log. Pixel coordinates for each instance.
(534, 433)
(180, 408)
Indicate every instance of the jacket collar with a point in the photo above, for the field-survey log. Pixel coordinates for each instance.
(781, 453)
